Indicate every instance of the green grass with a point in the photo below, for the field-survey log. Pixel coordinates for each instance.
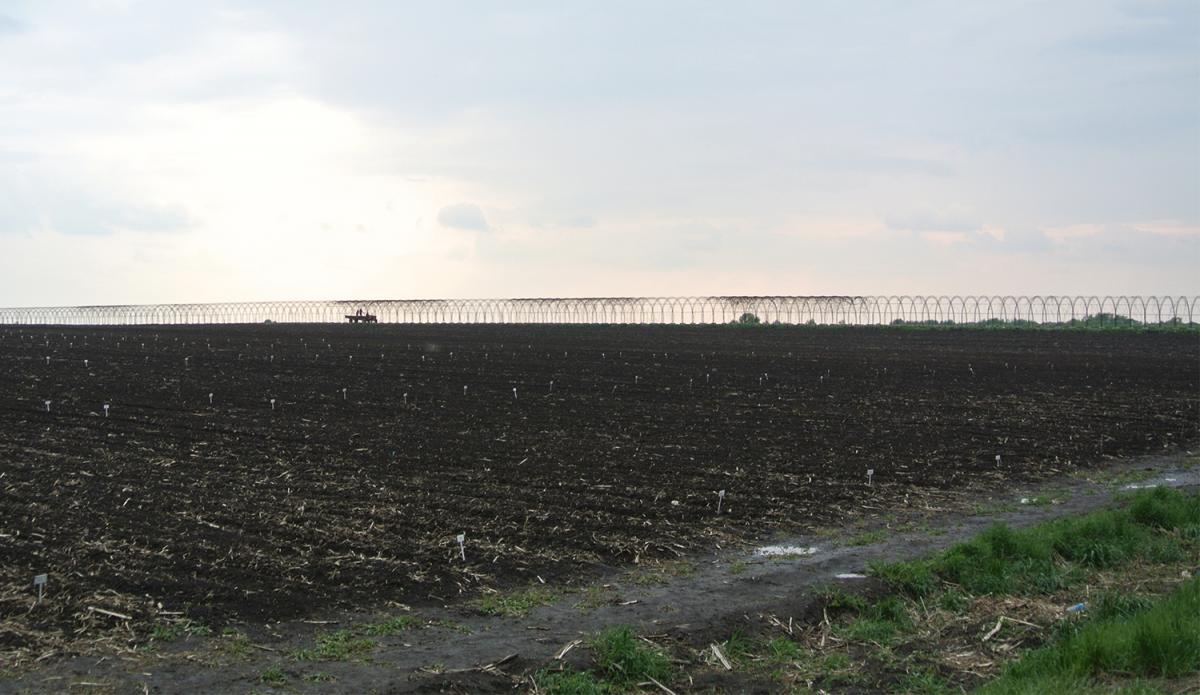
(621, 662)
(868, 538)
(169, 632)
(1116, 604)
(1122, 635)
(737, 567)
(335, 646)
(989, 508)
(353, 642)
(879, 622)
(837, 601)
(953, 600)
(273, 676)
(782, 650)
(1097, 322)
(660, 574)
(516, 604)
(837, 661)
(569, 683)
(924, 681)
(832, 669)
(1124, 641)
(237, 643)
(1153, 527)
(739, 648)
(1138, 639)
(1104, 322)
(624, 660)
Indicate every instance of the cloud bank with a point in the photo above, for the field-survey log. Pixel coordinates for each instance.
(162, 152)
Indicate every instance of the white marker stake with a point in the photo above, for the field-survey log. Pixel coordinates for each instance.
(720, 499)
(210, 398)
(40, 582)
(997, 459)
(105, 410)
(551, 388)
(514, 393)
(464, 391)
(272, 404)
(343, 394)
(185, 361)
(85, 364)
(47, 406)
(462, 547)
(47, 360)
(870, 477)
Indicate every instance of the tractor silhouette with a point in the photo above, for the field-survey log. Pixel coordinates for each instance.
(361, 316)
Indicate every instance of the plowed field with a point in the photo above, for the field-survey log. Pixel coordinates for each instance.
(265, 472)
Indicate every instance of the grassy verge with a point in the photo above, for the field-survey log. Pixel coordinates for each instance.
(516, 604)
(1102, 602)
(1144, 643)
(1158, 526)
(622, 661)
(355, 642)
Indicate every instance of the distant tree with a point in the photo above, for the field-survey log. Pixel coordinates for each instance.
(748, 319)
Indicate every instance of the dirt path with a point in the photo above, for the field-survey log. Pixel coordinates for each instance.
(691, 601)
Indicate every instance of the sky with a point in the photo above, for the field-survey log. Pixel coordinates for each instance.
(222, 151)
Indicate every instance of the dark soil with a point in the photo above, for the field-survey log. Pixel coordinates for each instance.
(612, 450)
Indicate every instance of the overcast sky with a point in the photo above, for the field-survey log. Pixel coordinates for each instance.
(283, 150)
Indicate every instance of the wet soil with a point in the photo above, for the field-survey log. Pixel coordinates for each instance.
(737, 589)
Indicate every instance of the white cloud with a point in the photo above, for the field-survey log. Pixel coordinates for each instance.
(945, 238)
(1074, 231)
(293, 150)
(463, 216)
(1168, 228)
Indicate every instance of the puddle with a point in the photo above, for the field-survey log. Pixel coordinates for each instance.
(850, 575)
(784, 550)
